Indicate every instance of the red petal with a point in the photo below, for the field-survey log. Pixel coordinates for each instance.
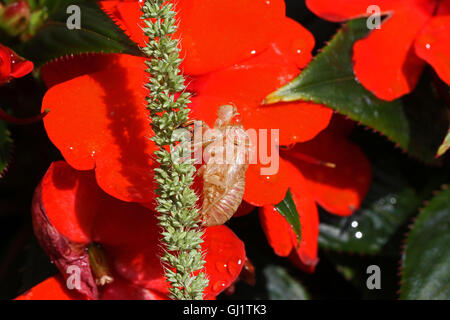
(21, 69)
(12, 65)
(53, 288)
(71, 200)
(130, 236)
(123, 290)
(261, 190)
(67, 68)
(5, 64)
(341, 125)
(225, 256)
(236, 30)
(130, 13)
(133, 241)
(279, 232)
(339, 190)
(385, 61)
(293, 45)
(244, 209)
(309, 219)
(107, 127)
(340, 10)
(246, 86)
(277, 229)
(433, 46)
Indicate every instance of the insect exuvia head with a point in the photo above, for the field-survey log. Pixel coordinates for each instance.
(226, 113)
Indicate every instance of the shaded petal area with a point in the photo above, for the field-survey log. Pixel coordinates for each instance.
(71, 200)
(279, 232)
(69, 67)
(309, 219)
(124, 290)
(341, 189)
(128, 233)
(99, 120)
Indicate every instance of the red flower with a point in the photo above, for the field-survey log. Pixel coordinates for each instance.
(70, 214)
(389, 61)
(98, 120)
(12, 66)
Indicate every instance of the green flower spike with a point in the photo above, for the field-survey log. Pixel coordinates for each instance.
(176, 203)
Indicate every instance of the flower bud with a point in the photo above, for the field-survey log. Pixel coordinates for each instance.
(12, 65)
(15, 17)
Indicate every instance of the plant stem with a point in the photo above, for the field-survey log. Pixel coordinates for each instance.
(176, 203)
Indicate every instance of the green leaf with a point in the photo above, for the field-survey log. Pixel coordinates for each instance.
(288, 210)
(444, 146)
(281, 286)
(98, 34)
(388, 205)
(417, 128)
(426, 259)
(5, 147)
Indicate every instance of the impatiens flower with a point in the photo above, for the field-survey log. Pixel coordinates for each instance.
(329, 170)
(12, 66)
(98, 120)
(113, 246)
(389, 61)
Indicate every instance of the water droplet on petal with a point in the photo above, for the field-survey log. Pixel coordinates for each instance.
(218, 286)
(221, 267)
(234, 267)
(428, 46)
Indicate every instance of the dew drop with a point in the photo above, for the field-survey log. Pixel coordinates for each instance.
(358, 235)
(428, 46)
(355, 224)
(221, 267)
(219, 285)
(234, 267)
(253, 52)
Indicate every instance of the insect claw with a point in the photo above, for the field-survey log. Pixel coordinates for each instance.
(329, 164)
